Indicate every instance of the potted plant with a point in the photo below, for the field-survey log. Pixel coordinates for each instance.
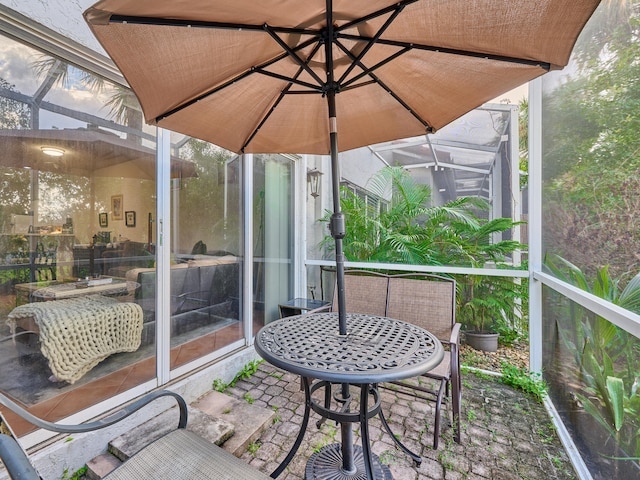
(487, 304)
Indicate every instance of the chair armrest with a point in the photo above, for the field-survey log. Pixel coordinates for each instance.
(102, 423)
(454, 345)
(15, 459)
(454, 339)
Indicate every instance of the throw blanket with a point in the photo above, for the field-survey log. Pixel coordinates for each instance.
(78, 333)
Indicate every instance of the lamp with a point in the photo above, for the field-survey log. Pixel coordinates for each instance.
(52, 151)
(313, 177)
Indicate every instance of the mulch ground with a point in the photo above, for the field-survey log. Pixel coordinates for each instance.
(516, 354)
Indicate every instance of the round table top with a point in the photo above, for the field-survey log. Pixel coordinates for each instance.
(375, 349)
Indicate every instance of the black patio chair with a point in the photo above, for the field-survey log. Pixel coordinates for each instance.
(177, 455)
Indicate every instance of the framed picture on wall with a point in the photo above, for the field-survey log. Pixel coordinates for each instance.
(103, 220)
(116, 207)
(130, 219)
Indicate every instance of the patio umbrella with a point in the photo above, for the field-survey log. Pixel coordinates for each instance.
(289, 76)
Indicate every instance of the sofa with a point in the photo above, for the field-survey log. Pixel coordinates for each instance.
(109, 259)
(203, 290)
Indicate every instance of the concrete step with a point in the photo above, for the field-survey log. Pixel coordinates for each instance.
(217, 417)
(249, 420)
(216, 430)
(100, 466)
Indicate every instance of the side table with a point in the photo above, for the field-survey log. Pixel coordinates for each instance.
(298, 306)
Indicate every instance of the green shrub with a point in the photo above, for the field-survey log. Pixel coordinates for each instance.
(522, 379)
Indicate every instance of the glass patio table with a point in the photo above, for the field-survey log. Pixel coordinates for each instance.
(375, 349)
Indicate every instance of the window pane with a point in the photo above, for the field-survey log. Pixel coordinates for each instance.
(418, 200)
(78, 183)
(468, 158)
(590, 148)
(590, 237)
(585, 358)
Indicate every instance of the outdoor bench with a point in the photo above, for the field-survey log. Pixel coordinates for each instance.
(178, 455)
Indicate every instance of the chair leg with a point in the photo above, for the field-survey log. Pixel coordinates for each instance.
(456, 400)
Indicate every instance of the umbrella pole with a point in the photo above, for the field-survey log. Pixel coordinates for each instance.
(337, 224)
(338, 230)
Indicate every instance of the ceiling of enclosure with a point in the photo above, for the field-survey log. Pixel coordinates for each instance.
(462, 155)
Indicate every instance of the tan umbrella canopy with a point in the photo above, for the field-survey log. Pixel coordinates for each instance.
(268, 76)
(285, 76)
(251, 75)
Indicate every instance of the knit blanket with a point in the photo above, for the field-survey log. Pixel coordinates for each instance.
(78, 333)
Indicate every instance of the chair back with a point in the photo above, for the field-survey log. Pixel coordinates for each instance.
(365, 292)
(425, 300)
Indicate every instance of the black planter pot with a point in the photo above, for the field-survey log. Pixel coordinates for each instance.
(485, 342)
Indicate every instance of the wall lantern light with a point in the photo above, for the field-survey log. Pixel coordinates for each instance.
(52, 151)
(313, 177)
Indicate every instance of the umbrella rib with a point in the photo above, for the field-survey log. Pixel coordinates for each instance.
(450, 51)
(371, 16)
(318, 88)
(291, 53)
(284, 92)
(382, 63)
(370, 44)
(344, 88)
(175, 22)
(139, 20)
(428, 127)
(200, 97)
(266, 117)
(258, 69)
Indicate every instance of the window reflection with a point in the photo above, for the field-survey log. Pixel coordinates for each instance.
(206, 263)
(75, 159)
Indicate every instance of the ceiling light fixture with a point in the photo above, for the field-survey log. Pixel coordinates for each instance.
(52, 151)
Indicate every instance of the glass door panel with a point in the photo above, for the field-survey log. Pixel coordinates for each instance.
(206, 261)
(273, 235)
(78, 184)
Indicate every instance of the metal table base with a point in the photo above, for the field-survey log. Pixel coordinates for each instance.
(326, 464)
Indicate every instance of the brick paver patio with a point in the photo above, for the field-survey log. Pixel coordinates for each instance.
(506, 434)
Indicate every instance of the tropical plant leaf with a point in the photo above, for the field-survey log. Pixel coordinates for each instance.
(596, 413)
(629, 298)
(615, 389)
